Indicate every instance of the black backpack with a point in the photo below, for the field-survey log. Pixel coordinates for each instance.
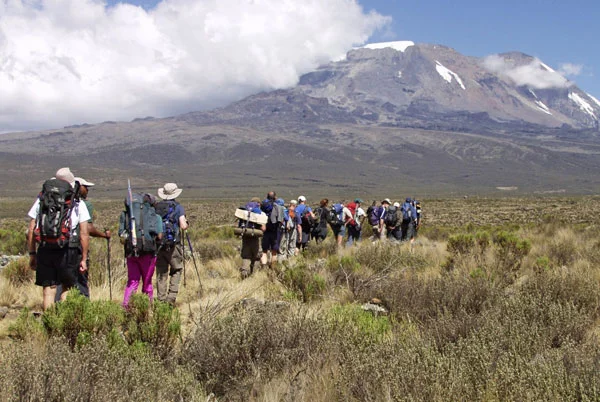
(146, 226)
(307, 220)
(391, 217)
(53, 222)
(167, 211)
(334, 215)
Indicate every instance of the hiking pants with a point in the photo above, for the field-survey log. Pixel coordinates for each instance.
(287, 246)
(139, 267)
(408, 230)
(250, 253)
(172, 257)
(353, 234)
(395, 233)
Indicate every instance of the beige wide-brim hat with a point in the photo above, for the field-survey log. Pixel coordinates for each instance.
(170, 191)
(66, 175)
(84, 182)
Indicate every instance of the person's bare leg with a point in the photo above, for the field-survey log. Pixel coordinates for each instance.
(49, 292)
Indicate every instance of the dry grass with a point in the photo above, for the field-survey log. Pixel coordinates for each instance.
(513, 316)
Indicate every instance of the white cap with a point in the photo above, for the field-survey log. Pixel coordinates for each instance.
(397, 204)
(302, 198)
(84, 182)
(293, 202)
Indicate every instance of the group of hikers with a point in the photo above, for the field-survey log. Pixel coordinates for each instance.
(152, 231)
(60, 225)
(283, 230)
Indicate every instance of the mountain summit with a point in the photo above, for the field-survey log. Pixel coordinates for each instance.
(388, 117)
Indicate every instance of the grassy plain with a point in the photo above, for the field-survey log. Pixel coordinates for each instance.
(498, 299)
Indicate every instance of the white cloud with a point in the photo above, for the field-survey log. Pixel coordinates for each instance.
(534, 74)
(570, 69)
(72, 61)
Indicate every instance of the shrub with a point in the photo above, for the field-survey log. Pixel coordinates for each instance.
(510, 250)
(18, 271)
(306, 284)
(461, 244)
(13, 239)
(352, 320)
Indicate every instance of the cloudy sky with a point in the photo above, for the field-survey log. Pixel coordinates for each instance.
(68, 62)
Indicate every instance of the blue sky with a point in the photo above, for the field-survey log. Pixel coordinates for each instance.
(555, 31)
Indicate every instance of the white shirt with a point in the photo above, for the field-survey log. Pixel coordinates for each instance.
(359, 214)
(79, 213)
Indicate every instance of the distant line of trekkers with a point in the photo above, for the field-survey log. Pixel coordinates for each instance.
(286, 229)
(152, 233)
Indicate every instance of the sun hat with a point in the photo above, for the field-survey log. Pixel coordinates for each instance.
(66, 175)
(386, 200)
(84, 182)
(302, 198)
(169, 191)
(293, 202)
(280, 202)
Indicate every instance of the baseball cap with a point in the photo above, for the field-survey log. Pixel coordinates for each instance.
(358, 200)
(84, 182)
(302, 198)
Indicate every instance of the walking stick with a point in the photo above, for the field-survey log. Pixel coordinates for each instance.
(108, 265)
(194, 260)
(183, 251)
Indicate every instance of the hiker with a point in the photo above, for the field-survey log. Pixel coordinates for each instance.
(62, 250)
(409, 216)
(417, 224)
(273, 208)
(169, 261)
(319, 231)
(289, 233)
(251, 232)
(140, 244)
(339, 216)
(82, 277)
(392, 222)
(308, 219)
(354, 226)
(376, 216)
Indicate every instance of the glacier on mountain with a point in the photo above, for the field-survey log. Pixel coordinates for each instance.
(447, 74)
(583, 105)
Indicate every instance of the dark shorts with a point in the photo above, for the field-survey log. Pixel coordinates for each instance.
(270, 241)
(57, 266)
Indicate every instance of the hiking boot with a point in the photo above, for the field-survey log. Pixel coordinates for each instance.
(244, 273)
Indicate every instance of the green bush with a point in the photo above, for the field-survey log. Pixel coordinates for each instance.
(461, 244)
(13, 238)
(306, 284)
(351, 319)
(18, 271)
(510, 250)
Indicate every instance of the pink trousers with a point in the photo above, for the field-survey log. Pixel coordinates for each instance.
(139, 267)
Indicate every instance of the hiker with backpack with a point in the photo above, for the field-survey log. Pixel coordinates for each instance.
(409, 216)
(169, 261)
(251, 226)
(273, 208)
(289, 233)
(354, 225)
(141, 231)
(338, 217)
(58, 236)
(319, 231)
(392, 222)
(376, 219)
(417, 224)
(82, 277)
(308, 219)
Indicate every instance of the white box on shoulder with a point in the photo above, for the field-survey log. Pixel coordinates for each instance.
(261, 218)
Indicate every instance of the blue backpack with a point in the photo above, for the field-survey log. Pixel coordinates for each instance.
(408, 213)
(335, 217)
(167, 210)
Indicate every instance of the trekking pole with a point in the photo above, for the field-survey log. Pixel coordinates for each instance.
(194, 260)
(183, 251)
(108, 264)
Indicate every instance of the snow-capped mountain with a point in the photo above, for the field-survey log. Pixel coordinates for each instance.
(400, 80)
(387, 117)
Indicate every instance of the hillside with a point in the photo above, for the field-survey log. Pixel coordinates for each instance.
(387, 118)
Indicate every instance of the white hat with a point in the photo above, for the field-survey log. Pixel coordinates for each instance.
(66, 175)
(293, 202)
(84, 182)
(397, 204)
(386, 200)
(169, 191)
(302, 198)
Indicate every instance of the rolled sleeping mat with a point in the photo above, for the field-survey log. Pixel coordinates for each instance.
(244, 215)
(248, 232)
